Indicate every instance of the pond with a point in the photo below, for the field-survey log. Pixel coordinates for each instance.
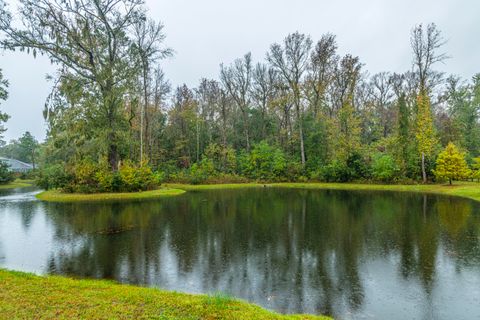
(353, 255)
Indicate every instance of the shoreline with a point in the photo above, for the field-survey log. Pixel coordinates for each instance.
(17, 184)
(469, 190)
(26, 295)
(57, 196)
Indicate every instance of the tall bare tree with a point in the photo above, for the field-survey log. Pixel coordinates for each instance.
(291, 61)
(425, 43)
(323, 62)
(237, 80)
(148, 40)
(263, 89)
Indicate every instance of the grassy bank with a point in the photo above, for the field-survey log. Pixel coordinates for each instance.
(17, 184)
(58, 196)
(26, 296)
(469, 190)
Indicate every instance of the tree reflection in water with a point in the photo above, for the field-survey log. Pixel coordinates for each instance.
(289, 250)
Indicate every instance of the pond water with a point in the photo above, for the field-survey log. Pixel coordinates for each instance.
(353, 255)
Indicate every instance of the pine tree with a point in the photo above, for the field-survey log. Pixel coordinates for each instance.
(451, 164)
(424, 132)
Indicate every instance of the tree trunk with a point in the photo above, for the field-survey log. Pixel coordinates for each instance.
(300, 129)
(424, 173)
(33, 160)
(302, 146)
(450, 181)
(112, 152)
(198, 141)
(143, 111)
(246, 128)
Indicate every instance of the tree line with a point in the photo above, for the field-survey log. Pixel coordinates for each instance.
(303, 112)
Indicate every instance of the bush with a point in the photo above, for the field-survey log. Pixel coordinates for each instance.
(357, 167)
(384, 168)
(200, 172)
(223, 158)
(265, 162)
(6, 176)
(89, 177)
(336, 171)
(53, 177)
(135, 178)
(85, 180)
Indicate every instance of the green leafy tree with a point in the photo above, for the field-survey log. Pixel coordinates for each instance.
(403, 128)
(451, 164)
(346, 132)
(476, 168)
(89, 41)
(28, 147)
(265, 162)
(384, 168)
(3, 96)
(424, 133)
(6, 176)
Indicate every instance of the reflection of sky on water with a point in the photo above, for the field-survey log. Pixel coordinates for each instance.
(351, 255)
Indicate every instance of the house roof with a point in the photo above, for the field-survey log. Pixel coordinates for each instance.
(16, 164)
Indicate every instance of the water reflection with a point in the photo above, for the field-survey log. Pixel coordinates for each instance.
(380, 255)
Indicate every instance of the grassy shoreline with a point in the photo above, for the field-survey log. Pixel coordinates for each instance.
(58, 196)
(470, 190)
(26, 296)
(17, 184)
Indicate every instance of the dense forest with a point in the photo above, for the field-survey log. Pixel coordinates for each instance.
(303, 112)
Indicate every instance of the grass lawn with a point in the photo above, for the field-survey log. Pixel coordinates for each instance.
(26, 296)
(58, 196)
(17, 184)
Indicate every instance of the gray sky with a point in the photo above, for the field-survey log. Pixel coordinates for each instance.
(208, 32)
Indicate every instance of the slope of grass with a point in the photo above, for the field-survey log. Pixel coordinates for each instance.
(26, 296)
(469, 190)
(58, 196)
(17, 184)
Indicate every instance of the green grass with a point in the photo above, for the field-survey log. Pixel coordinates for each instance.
(17, 184)
(469, 190)
(26, 296)
(58, 196)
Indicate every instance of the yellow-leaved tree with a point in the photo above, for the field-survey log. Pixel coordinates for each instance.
(476, 168)
(451, 164)
(425, 133)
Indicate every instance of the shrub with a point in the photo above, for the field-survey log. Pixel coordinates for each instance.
(336, 171)
(200, 172)
(89, 177)
(135, 178)
(85, 176)
(53, 177)
(6, 176)
(357, 167)
(384, 168)
(223, 158)
(265, 162)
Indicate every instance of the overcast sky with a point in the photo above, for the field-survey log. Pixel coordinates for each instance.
(208, 32)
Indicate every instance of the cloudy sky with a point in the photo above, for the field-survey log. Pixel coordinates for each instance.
(208, 32)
